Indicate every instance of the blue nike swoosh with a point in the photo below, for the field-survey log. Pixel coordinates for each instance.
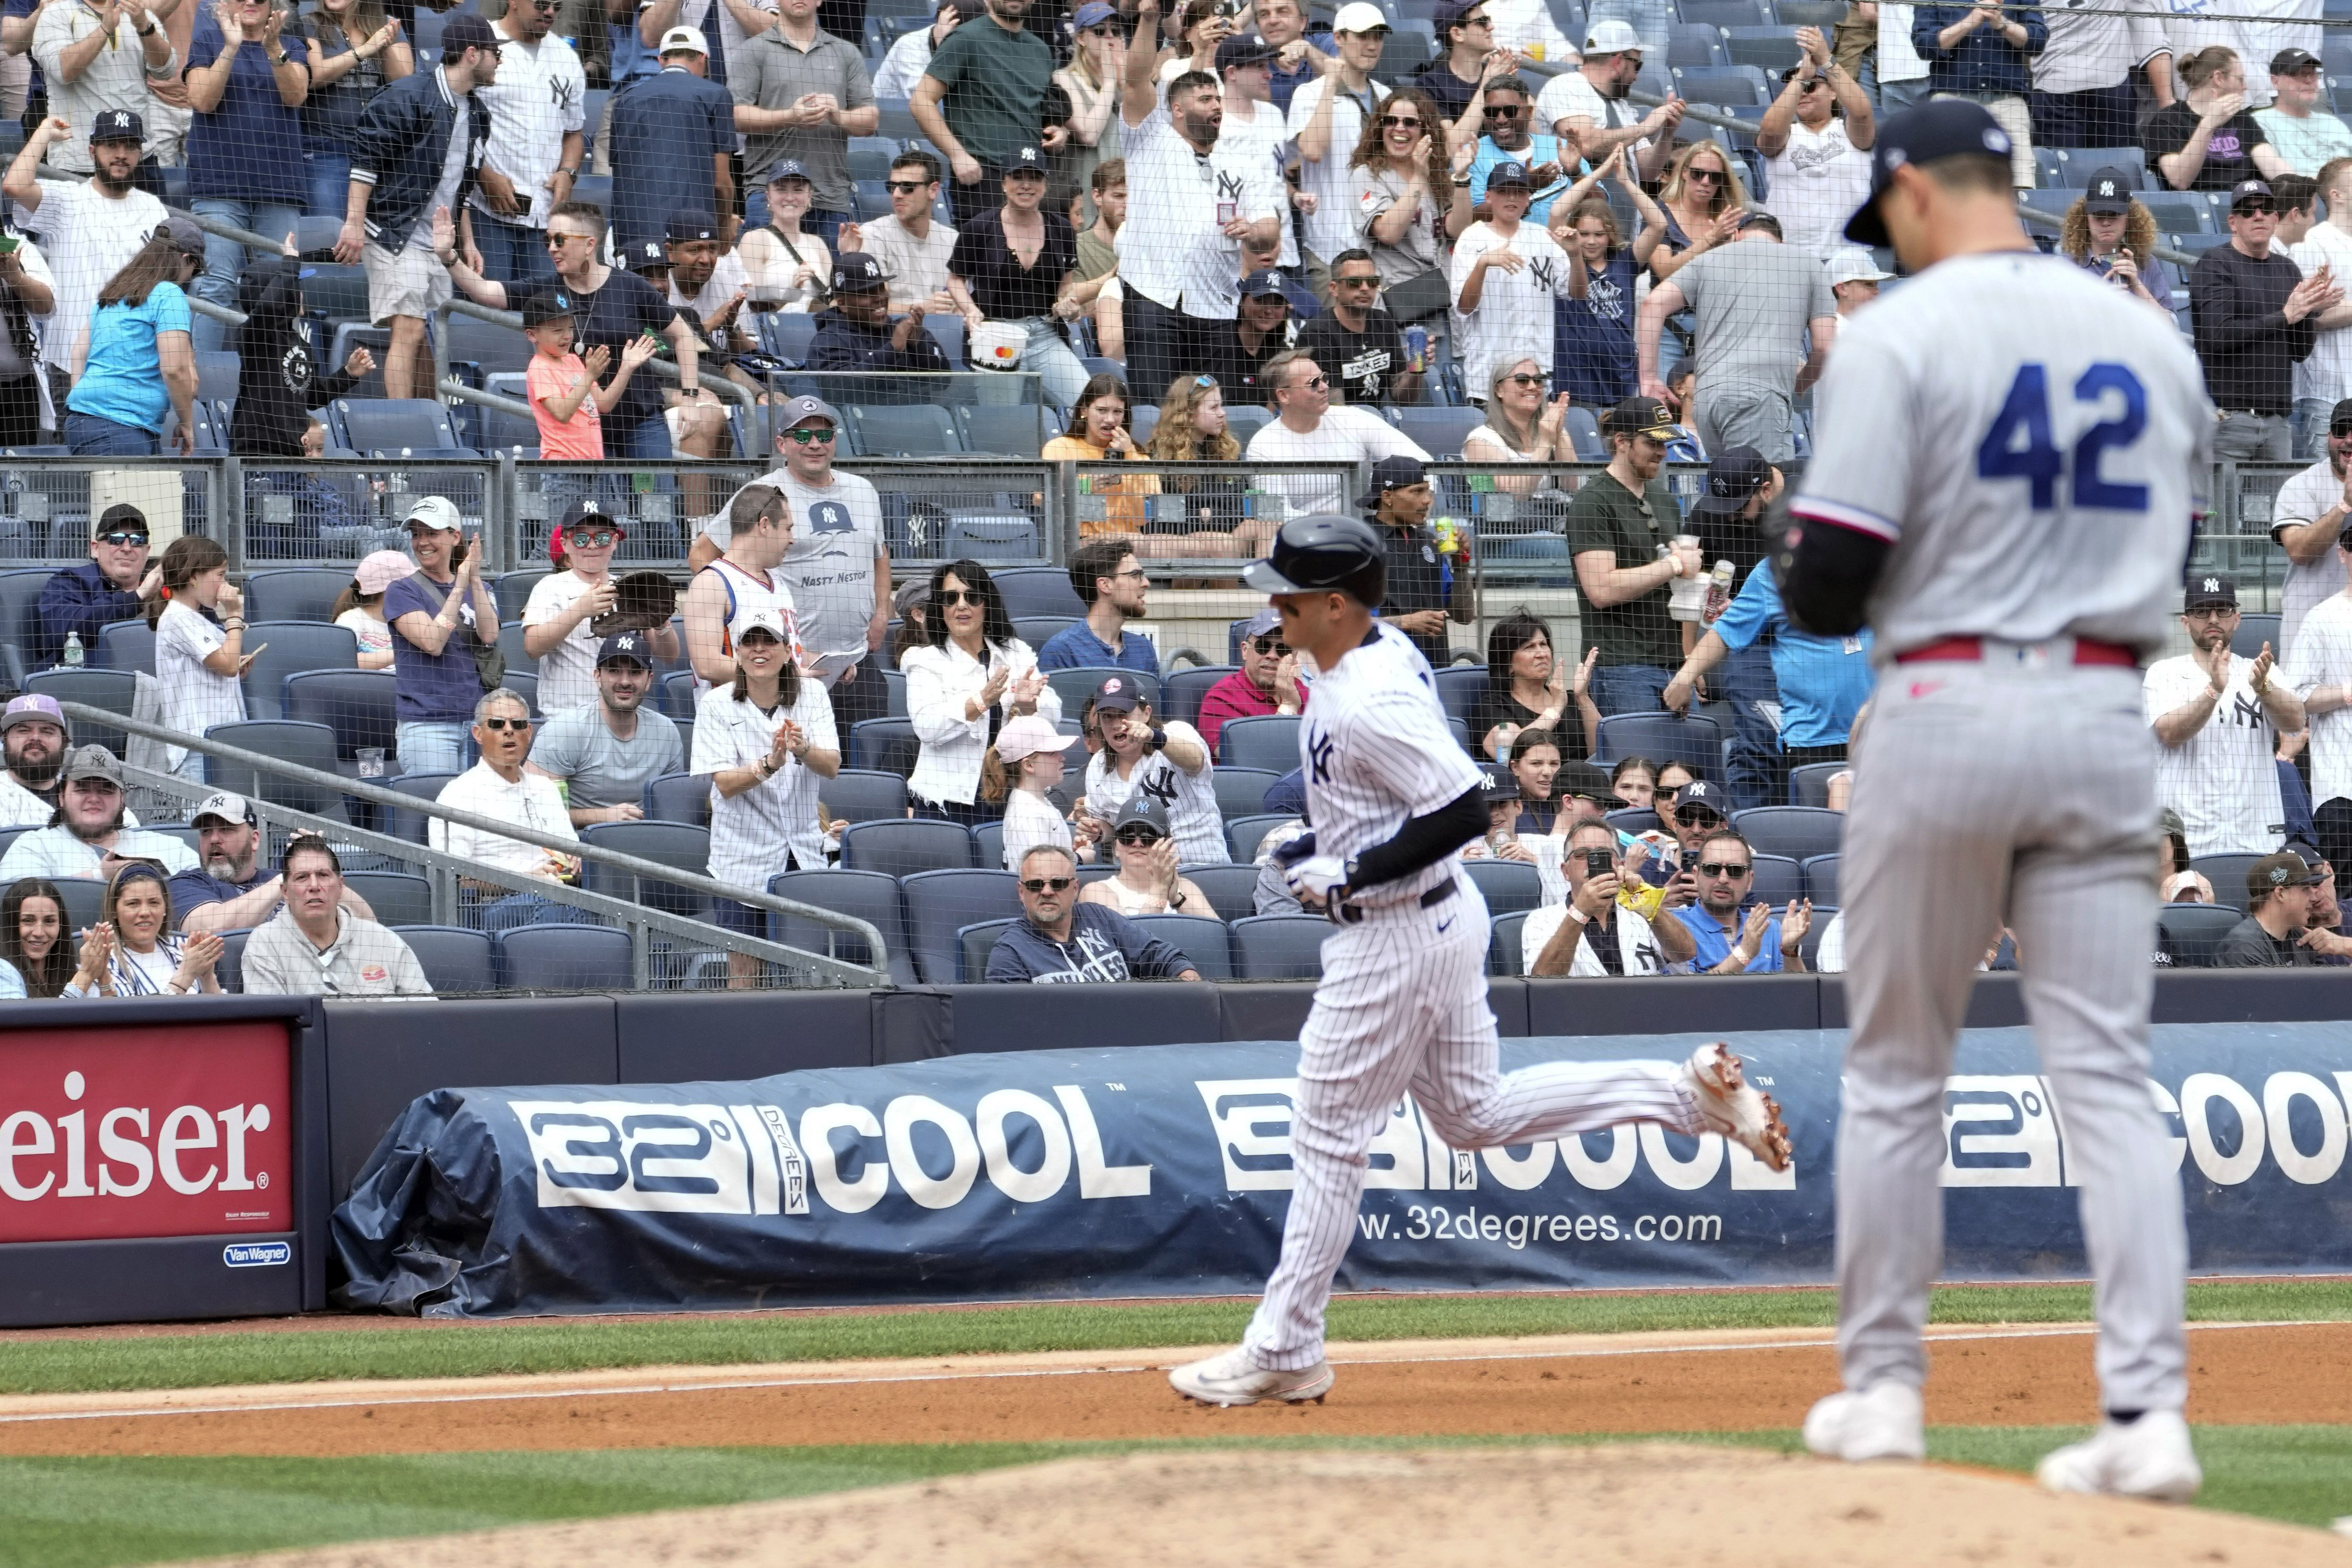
(1444, 926)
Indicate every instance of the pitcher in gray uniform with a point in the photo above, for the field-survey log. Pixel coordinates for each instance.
(2007, 463)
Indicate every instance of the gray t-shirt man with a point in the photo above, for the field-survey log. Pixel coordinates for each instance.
(1759, 303)
(600, 769)
(836, 545)
(773, 72)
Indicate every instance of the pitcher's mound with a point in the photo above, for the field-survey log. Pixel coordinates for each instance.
(1639, 1506)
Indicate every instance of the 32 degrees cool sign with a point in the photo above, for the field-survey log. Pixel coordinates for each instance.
(113, 1133)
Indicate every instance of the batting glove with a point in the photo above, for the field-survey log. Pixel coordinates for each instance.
(1324, 877)
(1298, 849)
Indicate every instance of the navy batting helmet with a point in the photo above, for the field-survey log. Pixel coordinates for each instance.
(1313, 554)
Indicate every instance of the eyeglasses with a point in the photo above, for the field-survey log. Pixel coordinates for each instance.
(1720, 869)
(903, 187)
(1362, 280)
(807, 436)
(1134, 571)
(124, 538)
(951, 597)
(1046, 883)
(1525, 379)
(557, 241)
(2211, 612)
(581, 538)
(1137, 838)
(1271, 645)
(506, 724)
(1399, 122)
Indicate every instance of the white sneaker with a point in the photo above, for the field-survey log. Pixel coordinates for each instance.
(2152, 1457)
(1231, 1379)
(1881, 1422)
(1749, 1117)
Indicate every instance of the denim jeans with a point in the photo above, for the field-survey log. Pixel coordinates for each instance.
(2253, 437)
(1627, 688)
(2310, 435)
(1894, 97)
(331, 179)
(514, 254)
(524, 909)
(92, 436)
(432, 745)
(1747, 683)
(225, 258)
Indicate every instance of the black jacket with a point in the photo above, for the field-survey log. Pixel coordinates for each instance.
(280, 383)
(400, 146)
(841, 344)
(2247, 345)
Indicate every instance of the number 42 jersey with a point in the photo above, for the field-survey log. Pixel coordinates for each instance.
(2033, 442)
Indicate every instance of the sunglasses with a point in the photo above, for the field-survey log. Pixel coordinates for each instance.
(1713, 175)
(1524, 379)
(1699, 818)
(1719, 869)
(2254, 209)
(951, 597)
(1367, 280)
(1102, 32)
(1505, 110)
(581, 538)
(1048, 884)
(124, 538)
(1271, 645)
(1316, 383)
(2211, 612)
(1813, 86)
(1399, 122)
(1136, 838)
(807, 437)
(506, 724)
(1204, 383)
(903, 187)
(557, 242)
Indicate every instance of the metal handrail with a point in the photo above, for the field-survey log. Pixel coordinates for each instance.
(375, 794)
(456, 306)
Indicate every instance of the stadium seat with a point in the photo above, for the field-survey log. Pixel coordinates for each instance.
(1768, 49)
(1180, 691)
(1243, 421)
(988, 845)
(82, 895)
(859, 795)
(216, 375)
(2228, 875)
(1279, 947)
(1694, 46)
(908, 430)
(864, 895)
(1202, 939)
(1822, 14)
(1724, 12)
(497, 350)
(457, 962)
(228, 969)
(1505, 943)
(991, 537)
(2077, 164)
(1809, 949)
(679, 846)
(1270, 742)
(1440, 431)
(512, 591)
(678, 700)
(1633, 819)
(125, 645)
(1244, 834)
(1460, 689)
(1584, 428)
(524, 684)
(1799, 831)
(1075, 685)
(283, 648)
(975, 943)
(411, 825)
(948, 331)
(1777, 880)
(398, 898)
(678, 798)
(894, 681)
(1241, 791)
(1510, 887)
(1035, 630)
(2180, 211)
(786, 334)
(358, 705)
(1695, 742)
(1809, 785)
(1231, 890)
(1037, 591)
(566, 958)
(883, 744)
(941, 903)
(307, 745)
(20, 591)
(1000, 430)
(1733, 86)
(2196, 930)
(113, 690)
(905, 846)
(2253, 632)
(1821, 878)
(391, 424)
(295, 593)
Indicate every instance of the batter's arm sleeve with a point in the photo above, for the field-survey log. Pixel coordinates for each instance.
(1423, 840)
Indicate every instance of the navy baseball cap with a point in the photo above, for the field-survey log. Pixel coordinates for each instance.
(468, 32)
(1238, 50)
(1116, 694)
(1026, 161)
(1736, 473)
(2246, 191)
(1265, 281)
(646, 255)
(1940, 128)
(624, 645)
(2110, 192)
(1393, 474)
(2210, 589)
(1700, 792)
(1498, 784)
(855, 271)
(117, 125)
(790, 169)
(686, 226)
(1509, 171)
(548, 303)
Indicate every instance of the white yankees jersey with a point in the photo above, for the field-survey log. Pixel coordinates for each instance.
(1376, 750)
(1191, 799)
(2304, 499)
(2322, 655)
(1513, 320)
(2223, 779)
(2033, 444)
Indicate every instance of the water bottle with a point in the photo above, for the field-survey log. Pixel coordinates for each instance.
(1718, 590)
(72, 657)
(1416, 349)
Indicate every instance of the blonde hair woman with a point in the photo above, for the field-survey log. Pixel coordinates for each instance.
(1702, 198)
(1193, 429)
(2115, 236)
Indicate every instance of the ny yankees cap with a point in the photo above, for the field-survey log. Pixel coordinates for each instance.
(1509, 172)
(2272, 872)
(31, 707)
(754, 618)
(1940, 128)
(583, 512)
(1700, 792)
(1498, 784)
(1736, 473)
(855, 272)
(117, 125)
(1024, 162)
(92, 762)
(2110, 192)
(646, 255)
(2208, 589)
(685, 227)
(624, 647)
(226, 808)
(2246, 191)
(1144, 808)
(1116, 694)
(552, 303)
(1265, 283)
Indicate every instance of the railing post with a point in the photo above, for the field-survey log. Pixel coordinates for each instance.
(225, 507)
(440, 349)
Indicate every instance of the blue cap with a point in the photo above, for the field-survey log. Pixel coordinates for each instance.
(625, 646)
(1509, 171)
(789, 169)
(1940, 128)
(855, 271)
(117, 125)
(1093, 13)
(1266, 280)
(1027, 161)
(646, 255)
(685, 226)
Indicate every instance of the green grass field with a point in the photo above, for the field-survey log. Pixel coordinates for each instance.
(475, 1350)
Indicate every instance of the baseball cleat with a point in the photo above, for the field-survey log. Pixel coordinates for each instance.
(2150, 1459)
(1881, 1422)
(1749, 1117)
(1232, 1378)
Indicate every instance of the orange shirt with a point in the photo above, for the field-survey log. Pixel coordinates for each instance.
(582, 435)
(1123, 513)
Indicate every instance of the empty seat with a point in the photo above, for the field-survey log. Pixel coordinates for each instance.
(1809, 785)
(991, 536)
(512, 591)
(1695, 742)
(862, 894)
(908, 430)
(882, 745)
(988, 845)
(1180, 691)
(905, 846)
(308, 745)
(412, 825)
(1508, 886)
(1821, 878)
(398, 898)
(1244, 834)
(974, 944)
(1279, 947)
(1270, 742)
(113, 690)
(294, 593)
(496, 348)
(1039, 630)
(859, 795)
(1231, 890)
(1724, 12)
(678, 798)
(125, 645)
(391, 424)
(456, 961)
(566, 958)
(1777, 881)
(283, 648)
(1633, 819)
(358, 705)
(2253, 632)
(1505, 940)
(1460, 689)
(1202, 938)
(1798, 831)
(940, 904)
(1694, 46)
(1038, 590)
(1002, 430)
(1241, 791)
(1732, 86)
(679, 846)
(1440, 431)
(2194, 931)
(1769, 50)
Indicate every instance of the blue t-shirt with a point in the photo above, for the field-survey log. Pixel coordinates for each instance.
(192, 890)
(666, 130)
(1714, 943)
(1077, 648)
(124, 378)
(1592, 338)
(1824, 681)
(1540, 149)
(249, 148)
(435, 688)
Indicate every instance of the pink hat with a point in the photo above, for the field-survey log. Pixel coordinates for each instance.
(1028, 735)
(381, 569)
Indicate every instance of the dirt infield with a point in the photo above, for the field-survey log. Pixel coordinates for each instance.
(1620, 1383)
(1657, 1506)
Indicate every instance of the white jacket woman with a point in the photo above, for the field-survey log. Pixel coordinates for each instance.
(972, 666)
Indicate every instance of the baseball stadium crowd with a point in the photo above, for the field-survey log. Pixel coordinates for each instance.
(1516, 232)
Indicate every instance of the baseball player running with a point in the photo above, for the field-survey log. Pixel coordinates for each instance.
(1401, 1007)
(2002, 487)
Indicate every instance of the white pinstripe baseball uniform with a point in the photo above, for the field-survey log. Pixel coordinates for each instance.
(1190, 798)
(2031, 444)
(1401, 1007)
(2223, 779)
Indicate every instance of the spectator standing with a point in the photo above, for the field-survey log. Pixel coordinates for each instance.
(1754, 300)
(1092, 81)
(2306, 520)
(1893, 71)
(1307, 429)
(2256, 317)
(785, 265)
(133, 950)
(667, 128)
(200, 658)
(1984, 51)
(1528, 686)
(1728, 521)
(33, 741)
(1141, 757)
(29, 293)
(318, 944)
(2218, 717)
(2207, 140)
(1268, 682)
(279, 382)
(37, 952)
(902, 68)
(1027, 761)
(359, 608)
(912, 248)
(727, 27)
(89, 835)
(2325, 376)
(440, 614)
(1508, 114)
(1399, 167)
(248, 74)
(2318, 669)
(2275, 933)
(1017, 264)
(1705, 201)
(1110, 583)
(1468, 60)
(538, 115)
(110, 585)
(2083, 94)
(1526, 27)
(1730, 942)
(1326, 117)
(1418, 600)
(970, 676)
(1098, 245)
(415, 153)
(1061, 941)
(1595, 933)
(89, 230)
(1593, 362)
(1622, 531)
(1282, 24)
(354, 48)
(602, 755)
(141, 368)
(557, 619)
(744, 574)
(764, 740)
(1358, 338)
(1587, 110)
(1148, 881)
(1194, 198)
(1506, 275)
(2304, 135)
(96, 58)
(498, 787)
(800, 93)
(2108, 232)
(1816, 139)
(982, 100)
(1244, 67)
(858, 333)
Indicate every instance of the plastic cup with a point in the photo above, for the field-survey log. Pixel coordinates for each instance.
(370, 761)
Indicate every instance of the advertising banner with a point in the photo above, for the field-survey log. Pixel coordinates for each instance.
(110, 1133)
(1166, 1171)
